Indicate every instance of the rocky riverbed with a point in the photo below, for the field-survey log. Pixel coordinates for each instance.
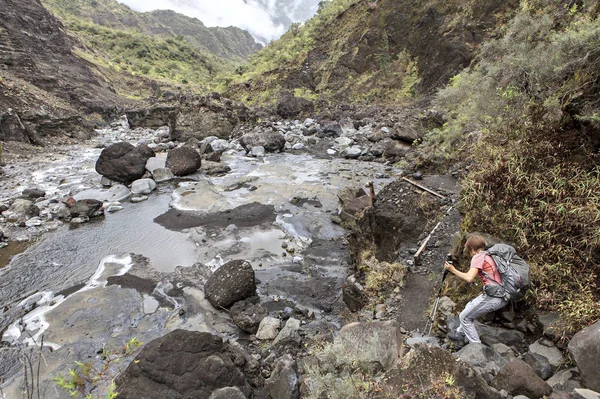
(237, 251)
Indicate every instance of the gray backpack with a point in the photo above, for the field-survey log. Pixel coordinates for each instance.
(514, 271)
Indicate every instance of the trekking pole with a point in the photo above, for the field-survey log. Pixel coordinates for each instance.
(430, 321)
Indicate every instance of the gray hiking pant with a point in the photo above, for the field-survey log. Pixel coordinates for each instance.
(477, 307)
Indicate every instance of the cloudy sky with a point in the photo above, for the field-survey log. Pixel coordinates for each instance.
(265, 19)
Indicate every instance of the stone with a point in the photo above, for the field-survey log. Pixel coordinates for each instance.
(395, 150)
(446, 306)
(86, 208)
(490, 335)
(24, 208)
(426, 364)
(182, 364)
(227, 393)
(377, 343)
(539, 364)
(106, 182)
(283, 382)
(520, 379)
(155, 163)
(162, 174)
(230, 283)
(58, 211)
(247, 315)
(550, 322)
(579, 393)
(268, 328)
(547, 349)
(289, 333)
(585, 351)
(271, 141)
(505, 351)
(138, 198)
(202, 123)
(183, 161)
(353, 294)
(220, 146)
(485, 360)
(258, 151)
(352, 152)
(330, 129)
(215, 168)
(342, 143)
(143, 186)
(298, 146)
(290, 106)
(123, 162)
(33, 193)
(560, 380)
(429, 341)
(117, 193)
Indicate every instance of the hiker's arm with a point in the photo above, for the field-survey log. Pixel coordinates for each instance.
(468, 276)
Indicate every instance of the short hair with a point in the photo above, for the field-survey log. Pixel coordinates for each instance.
(475, 242)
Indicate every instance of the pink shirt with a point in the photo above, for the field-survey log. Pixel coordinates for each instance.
(484, 262)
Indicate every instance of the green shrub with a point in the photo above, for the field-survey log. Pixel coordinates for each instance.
(520, 118)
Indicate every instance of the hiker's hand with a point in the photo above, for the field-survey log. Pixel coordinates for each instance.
(448, 266)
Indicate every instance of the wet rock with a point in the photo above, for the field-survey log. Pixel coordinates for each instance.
(33, 193)
(183, 161)
(24, 208)
(519, 379)
(154, 163)
(106, 182)
(585, 350)
(271, 141)
(182, 364)
(58, 211)
(268, 328)
(227, 393)
(258, 151)
(162, 174)
(289, 334)
(220, 146)
(117, 193)
(357, 342)
(86, 208)
(143, 186)
(215, 168)
(283, 383)
(231, 282)
(247, 315)
(353, 294)
(485, 360)
(289, 106)
(138, 198)
(123, 162)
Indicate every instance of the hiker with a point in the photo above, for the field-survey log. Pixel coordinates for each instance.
(482, 265)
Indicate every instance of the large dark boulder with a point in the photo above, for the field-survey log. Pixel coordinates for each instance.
(123, 162)
(585, 350)
(231, 282)
(290, 106)
(182, 364)
(271, 141)
(517, 378)
(183, 161)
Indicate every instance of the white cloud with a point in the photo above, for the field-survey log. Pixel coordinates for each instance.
(245, 14)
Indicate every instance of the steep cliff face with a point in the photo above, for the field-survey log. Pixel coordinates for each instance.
(44, 86)
(230, 42)
(386, 50)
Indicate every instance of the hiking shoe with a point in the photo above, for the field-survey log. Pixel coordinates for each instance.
(456, 336)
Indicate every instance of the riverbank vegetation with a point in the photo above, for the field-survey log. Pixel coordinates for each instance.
(526, 116)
